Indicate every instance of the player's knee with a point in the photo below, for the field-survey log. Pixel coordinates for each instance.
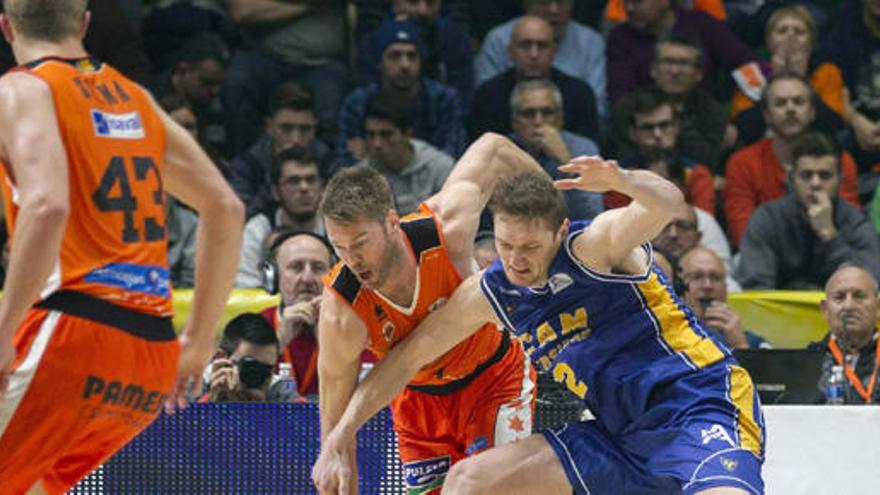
(465, 478)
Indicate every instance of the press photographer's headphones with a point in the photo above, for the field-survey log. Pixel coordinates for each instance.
(269, 266)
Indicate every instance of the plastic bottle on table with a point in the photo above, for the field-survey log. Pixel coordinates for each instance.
(834, 387)
(286, 378)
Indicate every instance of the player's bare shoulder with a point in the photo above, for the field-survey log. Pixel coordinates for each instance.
(26, 108)
(19, 85)
(339, 323)
(458, 208)
(17, 90)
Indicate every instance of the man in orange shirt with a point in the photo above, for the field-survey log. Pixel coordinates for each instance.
(394, 272)
(756, 174)
(87, 350)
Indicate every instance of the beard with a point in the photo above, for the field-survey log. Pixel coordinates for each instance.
(392, 253)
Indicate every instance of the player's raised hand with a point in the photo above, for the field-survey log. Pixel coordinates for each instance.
(593, 173)
(332, 472)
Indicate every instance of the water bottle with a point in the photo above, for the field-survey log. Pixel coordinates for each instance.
(286, 378)
(834, 387)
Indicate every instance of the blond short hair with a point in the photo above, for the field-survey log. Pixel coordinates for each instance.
(50, 20)
(797, 11)
(357, 193)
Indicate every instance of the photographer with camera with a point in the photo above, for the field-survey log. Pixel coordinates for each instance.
(243, 369)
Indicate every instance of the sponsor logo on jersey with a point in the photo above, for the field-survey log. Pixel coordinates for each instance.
(559, 281)
(388, 331)
(716, 432)
(137, 278)
(117, 125)
(424, 476)
(728, 464)
(128, 395)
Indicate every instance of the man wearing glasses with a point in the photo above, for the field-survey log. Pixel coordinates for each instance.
(654, 132)
(703, 279)
(536, 109)
(692, 227)
(291, 123)
(696, 123)
(296, 187)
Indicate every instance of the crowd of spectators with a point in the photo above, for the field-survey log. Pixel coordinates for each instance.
(774, 139)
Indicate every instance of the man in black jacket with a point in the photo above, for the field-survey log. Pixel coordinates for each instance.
(797, 242)
(851, 307)
(532, 48)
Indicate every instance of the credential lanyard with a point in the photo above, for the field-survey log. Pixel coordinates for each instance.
(851, 374)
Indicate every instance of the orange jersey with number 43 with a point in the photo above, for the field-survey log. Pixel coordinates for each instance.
(114, 246)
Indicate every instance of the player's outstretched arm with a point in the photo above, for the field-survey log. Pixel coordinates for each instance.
(469, 187)
(466, 311)
(342, 337)
(611, 238)
(32, 145)
(190, 176)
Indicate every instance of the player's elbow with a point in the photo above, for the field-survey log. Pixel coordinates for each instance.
(228, 206)
(674, 201)
(47, 208)
(467, 477)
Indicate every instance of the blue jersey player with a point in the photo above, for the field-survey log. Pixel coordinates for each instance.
(674, 411)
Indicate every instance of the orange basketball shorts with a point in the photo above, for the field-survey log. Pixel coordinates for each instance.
(438, 426)
(80, 389)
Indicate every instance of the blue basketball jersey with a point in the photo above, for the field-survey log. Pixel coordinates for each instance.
(675, 412)
(610, 339)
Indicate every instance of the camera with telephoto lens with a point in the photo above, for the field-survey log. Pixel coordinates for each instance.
(252, 372)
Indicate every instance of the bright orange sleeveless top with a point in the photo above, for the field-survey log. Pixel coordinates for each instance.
(115, 245)
(388, 324)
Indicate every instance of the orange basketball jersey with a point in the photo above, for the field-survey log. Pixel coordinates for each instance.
(114, 246)
(388, 323)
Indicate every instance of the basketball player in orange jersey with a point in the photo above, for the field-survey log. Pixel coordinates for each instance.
(87, 351)
(394, 272)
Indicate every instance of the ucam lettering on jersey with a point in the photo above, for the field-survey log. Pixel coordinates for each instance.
(117, 125)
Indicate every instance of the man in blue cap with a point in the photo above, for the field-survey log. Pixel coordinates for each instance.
(449, 47)
(438, 108)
